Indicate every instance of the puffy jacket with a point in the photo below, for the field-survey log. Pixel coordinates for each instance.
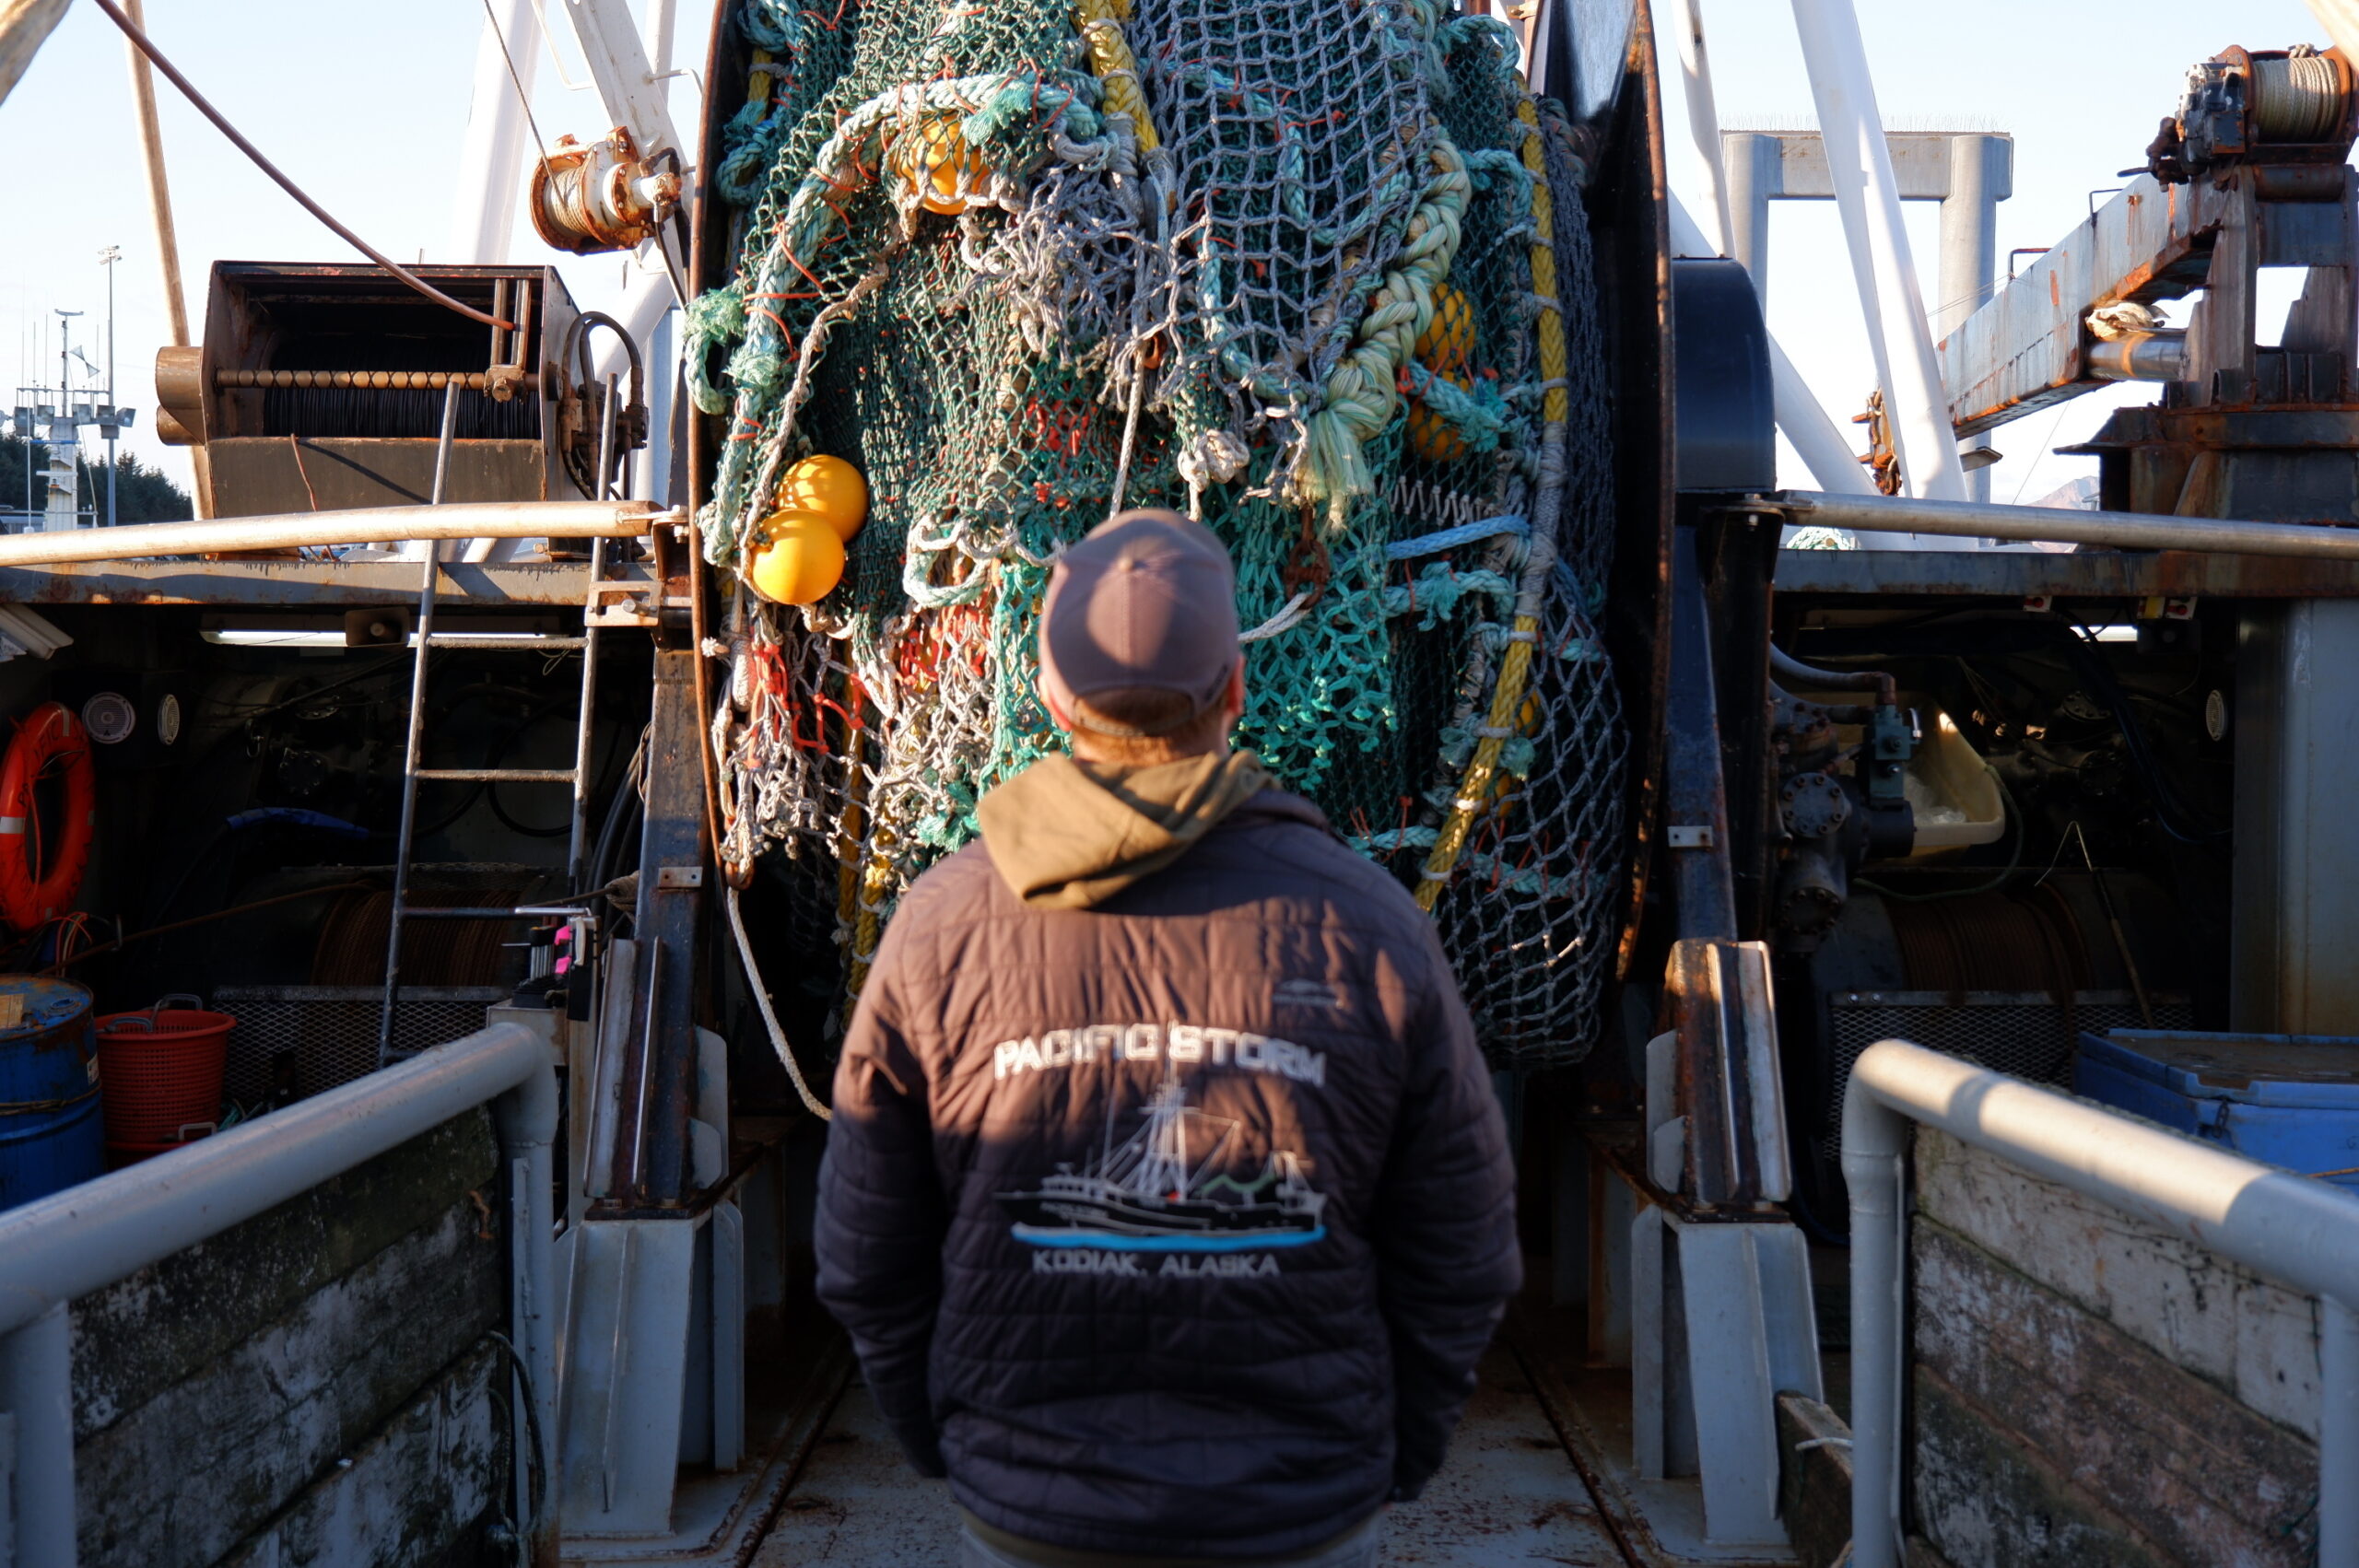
(1172, 1226)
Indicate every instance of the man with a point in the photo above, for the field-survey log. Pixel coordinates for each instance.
(1166, 1201)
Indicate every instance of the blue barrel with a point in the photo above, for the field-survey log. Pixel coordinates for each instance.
(50, 1134)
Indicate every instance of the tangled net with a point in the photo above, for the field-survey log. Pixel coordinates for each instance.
(1028, 264)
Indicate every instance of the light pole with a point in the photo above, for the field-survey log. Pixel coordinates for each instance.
(107, 259)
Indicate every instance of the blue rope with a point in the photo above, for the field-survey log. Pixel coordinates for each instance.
(1451, 538)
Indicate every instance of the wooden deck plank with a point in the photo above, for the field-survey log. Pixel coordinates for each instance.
(1507, 1496)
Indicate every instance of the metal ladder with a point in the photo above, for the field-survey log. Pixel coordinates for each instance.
(413, 774)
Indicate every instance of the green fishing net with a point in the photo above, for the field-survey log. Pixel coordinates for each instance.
(1023, 265)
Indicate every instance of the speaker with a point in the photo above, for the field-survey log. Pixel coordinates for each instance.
(135, 718)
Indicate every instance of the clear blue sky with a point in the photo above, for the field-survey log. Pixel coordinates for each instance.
(365, 105)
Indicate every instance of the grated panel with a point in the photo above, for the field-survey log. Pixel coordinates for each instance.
(330, 1032)
(2025, 1035)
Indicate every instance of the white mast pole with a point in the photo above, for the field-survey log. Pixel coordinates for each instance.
(1704, 119)
(1859, 164)
(491, 165)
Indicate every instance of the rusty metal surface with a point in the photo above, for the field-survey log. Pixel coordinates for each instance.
(262, 316)
(1630, 214)
(2022, 350)
(2097, 574)
(257, 475)
(602, 197)
(324, 584)
(1507, 1496)
(1661, 1523)
(380, 380)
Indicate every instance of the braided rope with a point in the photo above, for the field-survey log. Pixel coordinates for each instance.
(1363, 391)
(1505, 715)
(1111, 61)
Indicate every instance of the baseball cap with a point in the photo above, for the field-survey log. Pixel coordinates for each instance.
(1146, 600)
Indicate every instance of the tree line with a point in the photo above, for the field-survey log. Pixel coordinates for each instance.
(143, 494)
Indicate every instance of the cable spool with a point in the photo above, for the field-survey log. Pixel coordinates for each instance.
(2301, 96)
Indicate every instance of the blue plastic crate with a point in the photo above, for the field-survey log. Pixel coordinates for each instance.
(2289, 1100)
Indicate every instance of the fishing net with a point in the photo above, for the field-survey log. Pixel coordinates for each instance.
(1025, 265)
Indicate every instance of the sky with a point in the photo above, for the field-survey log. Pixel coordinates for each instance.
(2078, 86)
(365, 105)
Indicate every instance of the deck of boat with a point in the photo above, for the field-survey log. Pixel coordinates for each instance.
(1507, 1497)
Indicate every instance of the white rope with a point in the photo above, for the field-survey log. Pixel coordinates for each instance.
(769, 1019)
(1284, 620)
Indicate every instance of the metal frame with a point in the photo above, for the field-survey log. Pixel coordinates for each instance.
(2020, 574)
(72, 1243)
(2301, 1233)
(1968, 172)
(327, 585)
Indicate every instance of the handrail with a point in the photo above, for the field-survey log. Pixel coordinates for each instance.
(71, 1243)
(357, 525)
(2067, 525)
(2301, 1233)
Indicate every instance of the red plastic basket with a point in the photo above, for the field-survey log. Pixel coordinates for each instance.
(161, 1071)
(121, 1154)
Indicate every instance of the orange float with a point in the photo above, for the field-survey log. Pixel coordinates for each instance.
(38, 882)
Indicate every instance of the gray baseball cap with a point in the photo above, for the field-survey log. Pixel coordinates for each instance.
(1147, 600)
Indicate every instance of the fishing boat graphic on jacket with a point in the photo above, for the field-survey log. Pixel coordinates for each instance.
(1147, 1194)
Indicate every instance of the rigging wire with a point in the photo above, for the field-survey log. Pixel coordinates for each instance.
(140, 41)
(523, 98)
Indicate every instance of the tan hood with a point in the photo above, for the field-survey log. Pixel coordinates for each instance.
(1068, 835)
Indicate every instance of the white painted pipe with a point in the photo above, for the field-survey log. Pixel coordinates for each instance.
(37, 1387)
(62, 1247)
(65, 1246)
(485, 195)
(2339, 1435)
(662, 21)
(527, 1119)
(1875, 1139)
(1859, 164)
(2301, 1233)
(364, 525)
(1703, 117)
(1815, 437)
(1823, 451)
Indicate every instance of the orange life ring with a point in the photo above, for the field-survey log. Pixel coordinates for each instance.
(50, 732)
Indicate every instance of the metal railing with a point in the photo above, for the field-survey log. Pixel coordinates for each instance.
(357, 525)
(2118, 530)
(2299, 1231)
(72, 1243)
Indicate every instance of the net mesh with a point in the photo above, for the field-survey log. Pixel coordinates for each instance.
(1028, 264)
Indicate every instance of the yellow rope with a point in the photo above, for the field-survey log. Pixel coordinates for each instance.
(875, 884)
(1111, 62)
(1507, 715)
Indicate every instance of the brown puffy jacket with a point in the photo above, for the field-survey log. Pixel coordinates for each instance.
(1174, 1225)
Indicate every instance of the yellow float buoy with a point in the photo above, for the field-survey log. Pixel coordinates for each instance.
(934, 160)
(1447, 342)
(828, 487)
(798, 561)
(1430, 436)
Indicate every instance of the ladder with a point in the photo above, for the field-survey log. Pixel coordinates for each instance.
(413, 771)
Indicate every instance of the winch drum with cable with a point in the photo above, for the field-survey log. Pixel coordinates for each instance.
(2300, 96)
